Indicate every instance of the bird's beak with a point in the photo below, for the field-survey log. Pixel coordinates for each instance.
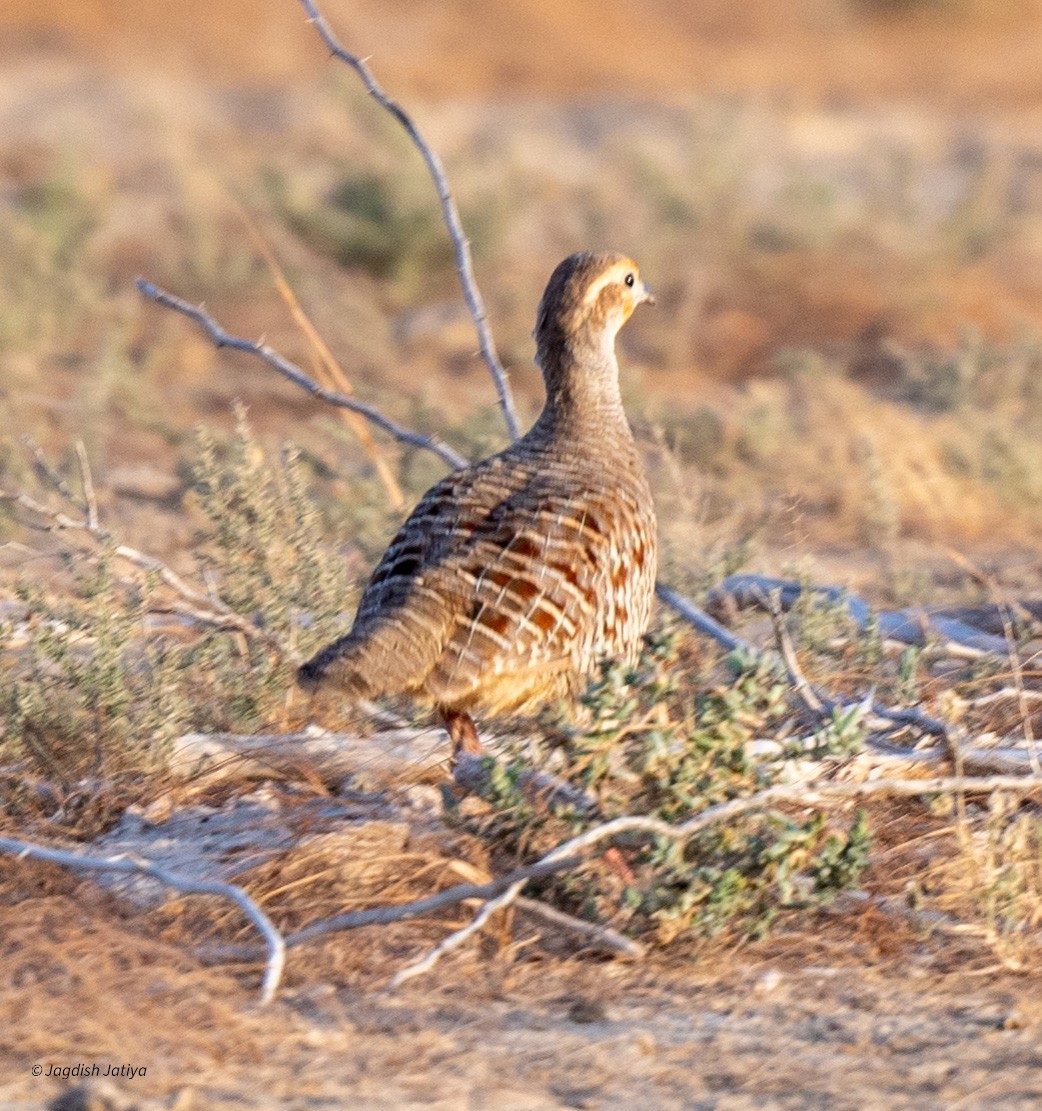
(647, 297)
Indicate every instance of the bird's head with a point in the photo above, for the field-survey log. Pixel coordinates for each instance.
(587, 300)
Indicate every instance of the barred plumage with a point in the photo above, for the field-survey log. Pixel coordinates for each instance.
(513, 578)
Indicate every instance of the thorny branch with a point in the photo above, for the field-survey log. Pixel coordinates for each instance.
(449, 211)
(274, 940)
(289, 370)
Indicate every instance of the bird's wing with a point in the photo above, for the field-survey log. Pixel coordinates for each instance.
(494, 573)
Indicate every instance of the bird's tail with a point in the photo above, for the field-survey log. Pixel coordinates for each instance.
(334, 666)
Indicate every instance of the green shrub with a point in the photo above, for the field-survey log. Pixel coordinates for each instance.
(668, 740)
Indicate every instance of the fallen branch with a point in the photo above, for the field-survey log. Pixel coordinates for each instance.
(568, 854)
(505, 890)
(975, 760)
(895, 715)
(703, 622)
(599, 937)
(294, 374)
(908, 626)
(276, 945)
(787, 651)
(457, 938)
(390, 756)
(449, 211)
(87, 484)
(384, 916)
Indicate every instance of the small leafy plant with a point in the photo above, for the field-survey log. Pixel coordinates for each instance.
(103, 682)
(668, 739)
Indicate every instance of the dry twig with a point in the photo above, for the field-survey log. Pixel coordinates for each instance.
(276, 945)
(597, 936)
(291, 371)
(449, 211)
(201, 607)
(457, 938)
(87, 483)
(897, 716)
(569, 853)
(701, 620)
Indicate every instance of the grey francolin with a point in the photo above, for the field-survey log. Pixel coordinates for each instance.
(512, 579)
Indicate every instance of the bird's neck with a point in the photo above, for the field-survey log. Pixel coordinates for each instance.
(582, 390)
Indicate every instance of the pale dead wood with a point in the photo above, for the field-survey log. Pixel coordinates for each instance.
(276, 945)
(49, 475)
(896, 716)
(458, 937)
(396, 756)
(702, 621)
(594, 935)
(979, 760)
(449, 211)
(947, 634)
(391, 755)
(87, 483)
(294, 374)
(787, 651)
(384, 916)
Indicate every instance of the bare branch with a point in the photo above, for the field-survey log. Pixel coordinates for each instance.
(807, 795)
(456, 939)
(45, 471)
(955, 636)
(449, 211)
(897, 715)
(291, 371)
(199, 606)
(545, 792)
(505, 890)
(275, 942)
(600, 937)
(87, 483)
(789, 658)
(703, 622)
(381, 916)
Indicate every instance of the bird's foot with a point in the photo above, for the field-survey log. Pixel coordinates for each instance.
(462, 733)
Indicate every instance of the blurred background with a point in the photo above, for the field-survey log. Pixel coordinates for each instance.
(838, 203)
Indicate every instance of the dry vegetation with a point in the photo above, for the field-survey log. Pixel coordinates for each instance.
(841, 384)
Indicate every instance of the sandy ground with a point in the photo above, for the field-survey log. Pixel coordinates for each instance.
(762, 1032)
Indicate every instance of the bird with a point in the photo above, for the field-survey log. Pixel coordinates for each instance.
(515, 577)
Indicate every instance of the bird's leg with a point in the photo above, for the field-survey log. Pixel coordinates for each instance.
(462, 733)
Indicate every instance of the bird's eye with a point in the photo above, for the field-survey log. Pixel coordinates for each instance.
(630, 279)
